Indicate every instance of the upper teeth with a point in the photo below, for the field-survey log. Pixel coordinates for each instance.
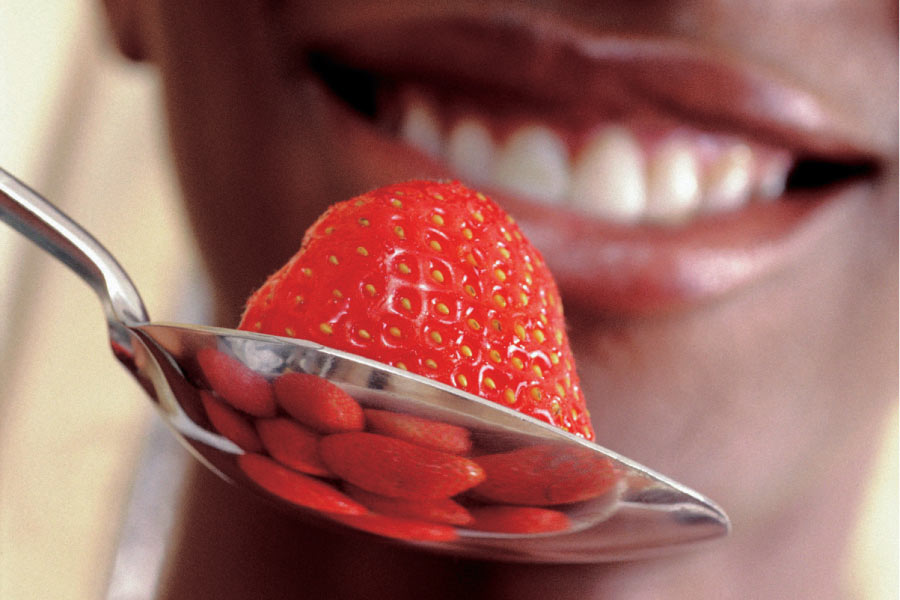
(614, 174)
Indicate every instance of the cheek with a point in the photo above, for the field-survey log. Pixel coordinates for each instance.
(761, 383)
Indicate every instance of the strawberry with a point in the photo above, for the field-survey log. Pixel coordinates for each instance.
(437, 279)
(297, 488)
(518, 519)
(423, 432)
(544, 475)
(395, 468)
(292, 445)
(399, 528)
(439, 510)
(230, 423)
(238, 385)
(318, 403)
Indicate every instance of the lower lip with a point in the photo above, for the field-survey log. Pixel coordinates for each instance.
(626, 270)
(648, 270)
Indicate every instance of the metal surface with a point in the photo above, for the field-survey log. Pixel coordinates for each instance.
(618, 509)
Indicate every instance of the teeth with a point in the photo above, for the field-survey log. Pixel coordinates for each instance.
(471, 150)
(673, 183)
(772, 176)
(421, 128)
(534, 162)
(615, 176)
(608, 179)
(728, 182)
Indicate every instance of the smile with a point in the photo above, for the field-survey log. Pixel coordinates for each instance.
(618, 172)
(670, 175)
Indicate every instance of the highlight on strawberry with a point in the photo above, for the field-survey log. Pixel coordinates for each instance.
(436, 279)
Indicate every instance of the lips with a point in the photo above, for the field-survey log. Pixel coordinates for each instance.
(650, 174)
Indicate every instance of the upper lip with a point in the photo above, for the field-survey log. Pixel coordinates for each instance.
(556, 67)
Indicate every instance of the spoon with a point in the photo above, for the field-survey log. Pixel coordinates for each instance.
(529, 492)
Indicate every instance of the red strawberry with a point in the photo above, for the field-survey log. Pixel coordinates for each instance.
(419, 431)
(437, 279)
(292, 445)
(518, 519)
(237, 384)
(318, 403)
(544, 475)
(398, 528)
(230, 423)
(395, 468)
(297, 488)
(440, 510)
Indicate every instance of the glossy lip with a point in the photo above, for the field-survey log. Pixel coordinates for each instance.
(646, 270)
(600, 266)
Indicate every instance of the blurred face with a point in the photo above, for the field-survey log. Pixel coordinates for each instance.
(713, 183)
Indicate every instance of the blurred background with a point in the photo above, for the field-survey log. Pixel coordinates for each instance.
(87, 471)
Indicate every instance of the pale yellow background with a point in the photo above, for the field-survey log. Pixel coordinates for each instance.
(84, 128)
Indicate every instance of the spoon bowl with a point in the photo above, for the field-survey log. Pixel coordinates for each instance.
(336, 438)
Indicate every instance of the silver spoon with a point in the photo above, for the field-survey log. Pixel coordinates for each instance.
(544, 495)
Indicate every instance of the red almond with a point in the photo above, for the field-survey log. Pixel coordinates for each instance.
(544, 475)
(237, 384)
(230, 423)
(318, 403)
(293, 445)
(397, 528)
(440, 510)
(396, 468)
(518, 519)
(419, 431)
(297, 488)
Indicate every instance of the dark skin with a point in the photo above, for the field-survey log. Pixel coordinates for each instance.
(767, 398)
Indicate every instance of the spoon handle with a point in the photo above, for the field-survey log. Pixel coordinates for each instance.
(37, 219)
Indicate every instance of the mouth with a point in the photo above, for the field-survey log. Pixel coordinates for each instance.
(650, 174)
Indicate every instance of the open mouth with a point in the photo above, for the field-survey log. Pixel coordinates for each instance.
(661, 169)
(649, 170)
